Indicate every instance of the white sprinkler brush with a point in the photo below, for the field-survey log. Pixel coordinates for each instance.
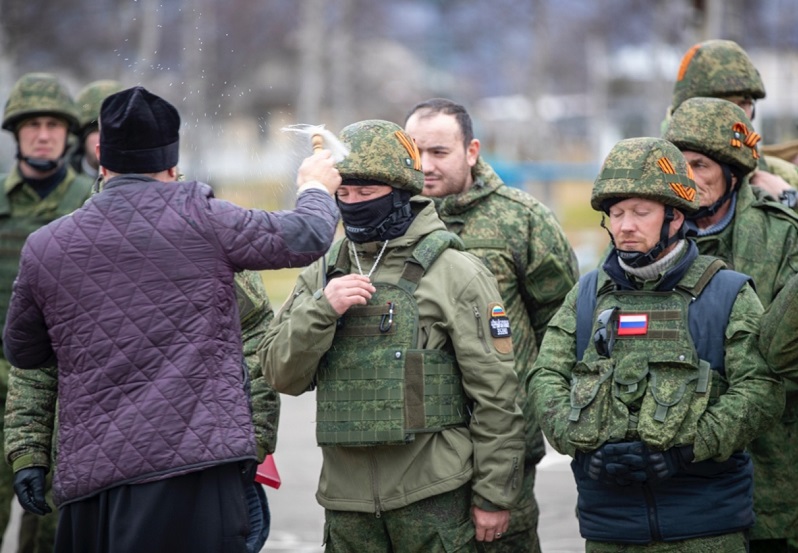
(321, 138)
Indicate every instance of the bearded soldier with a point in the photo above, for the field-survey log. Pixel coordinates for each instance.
(650, 376)
(759, 237)
(406, 341)
(520, 241)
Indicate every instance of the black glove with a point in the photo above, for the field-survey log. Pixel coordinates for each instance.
(625, 462)
(618, 463)
(29, 487)
(664, 464)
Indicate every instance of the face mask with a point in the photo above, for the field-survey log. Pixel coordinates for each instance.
(377, 219)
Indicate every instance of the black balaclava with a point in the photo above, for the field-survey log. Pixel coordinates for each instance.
(382, 218)
(637, 259)
(710, 210)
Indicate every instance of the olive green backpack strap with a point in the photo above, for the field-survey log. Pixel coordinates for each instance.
(424, 255)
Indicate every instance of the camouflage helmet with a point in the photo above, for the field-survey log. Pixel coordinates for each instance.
(649, 168)
(381, 151)
(716, 128)
(716, 69)
(38, 94)
(91, 98)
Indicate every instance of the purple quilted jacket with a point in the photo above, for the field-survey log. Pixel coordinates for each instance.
(132, 297)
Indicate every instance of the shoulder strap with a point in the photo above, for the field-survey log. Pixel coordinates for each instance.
(585, 306)
(77, 193)
(425, 254)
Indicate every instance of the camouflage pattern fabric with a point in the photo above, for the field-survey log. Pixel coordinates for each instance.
(716, 128)
(717, 69)
(38, 94)
(381, 151)
(784, 169)
(649, 168)
(728, 543)
(439, 524)
(89, 100)
(520, 240)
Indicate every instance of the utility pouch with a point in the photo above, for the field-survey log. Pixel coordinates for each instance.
(591, 404)
(678, 394)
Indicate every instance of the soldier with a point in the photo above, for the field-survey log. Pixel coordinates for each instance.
(40, 187)
(88, 102)
(520, 241)
(722, 69)
(758, 237)
(658, 409)
(406, 341)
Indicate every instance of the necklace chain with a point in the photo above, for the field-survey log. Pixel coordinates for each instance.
(376, 261)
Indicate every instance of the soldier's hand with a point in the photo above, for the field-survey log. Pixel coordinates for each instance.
(348, 290)
(320, 167)
(772, 184)
(489, 525)
(29, 487)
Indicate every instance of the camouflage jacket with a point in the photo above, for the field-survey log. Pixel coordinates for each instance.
(488, 453)
(520, 240)
(762, 241)
(728, 425)
(751, 402)
(22, 211)
(30, 405)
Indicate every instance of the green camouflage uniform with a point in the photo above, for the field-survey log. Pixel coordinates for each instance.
(88, 101)
(30, 420)
(523, 245)
(720, 427)
(25, 211)
(421, 490)
(760, 240)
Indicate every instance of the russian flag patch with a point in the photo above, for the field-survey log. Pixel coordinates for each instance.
(632, 325)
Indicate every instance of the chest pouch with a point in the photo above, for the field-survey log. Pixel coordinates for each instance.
(375, 387)
(657, 388)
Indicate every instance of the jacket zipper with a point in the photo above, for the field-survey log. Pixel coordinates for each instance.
(653, 519)
(480, 331)
(375, 492)
(512, 481)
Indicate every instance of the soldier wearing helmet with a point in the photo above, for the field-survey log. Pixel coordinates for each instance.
(413, 366)
(649, 375)
(40, 187)
(722, 69)
(759, 237)
(88, 101)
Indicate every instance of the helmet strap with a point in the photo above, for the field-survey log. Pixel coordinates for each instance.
(710, 210)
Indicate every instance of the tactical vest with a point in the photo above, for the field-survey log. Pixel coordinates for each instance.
(375, 387)
(655, 384)
(15, 230)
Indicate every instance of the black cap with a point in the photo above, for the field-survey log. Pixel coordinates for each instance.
(139, 132)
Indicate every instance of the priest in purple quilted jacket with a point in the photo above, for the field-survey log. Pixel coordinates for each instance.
(132, 299)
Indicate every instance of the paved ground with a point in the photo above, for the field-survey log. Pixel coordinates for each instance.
(297, 519)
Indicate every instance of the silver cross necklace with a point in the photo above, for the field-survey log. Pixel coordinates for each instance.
(376, 261)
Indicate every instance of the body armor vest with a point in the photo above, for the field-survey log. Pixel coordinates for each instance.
(15, 230)
(375, 387)
(648, 381)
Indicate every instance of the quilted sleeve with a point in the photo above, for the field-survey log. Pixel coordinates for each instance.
(258, 240)
(26, 343)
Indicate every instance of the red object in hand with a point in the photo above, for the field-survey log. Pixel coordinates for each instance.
(267, 473)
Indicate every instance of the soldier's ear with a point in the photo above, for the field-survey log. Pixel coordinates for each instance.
(472, 152)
